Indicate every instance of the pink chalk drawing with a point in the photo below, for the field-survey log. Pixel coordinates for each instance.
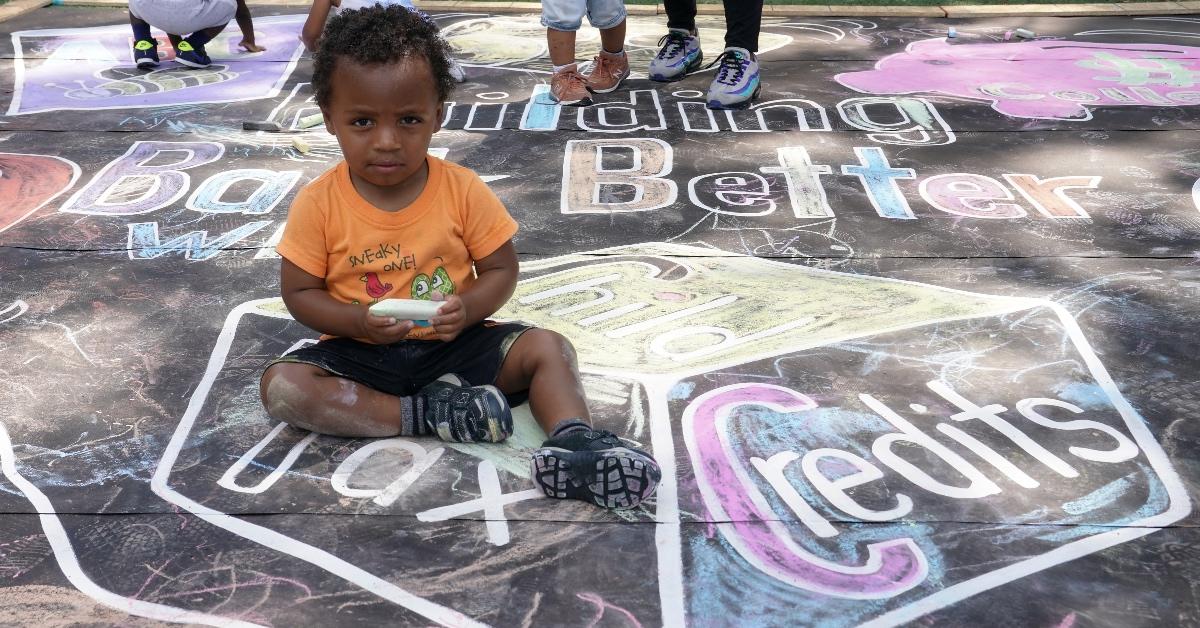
(743, 514)
(1049, 79)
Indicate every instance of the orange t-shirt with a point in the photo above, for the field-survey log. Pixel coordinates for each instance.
(366, 254)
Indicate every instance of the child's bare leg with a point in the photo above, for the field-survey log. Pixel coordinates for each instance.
(562, 46)
(577, 461)
(613, 39)
(544, 363)
(310, 398)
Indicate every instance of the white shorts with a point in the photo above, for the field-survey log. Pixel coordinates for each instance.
(184, 17)
(567, 15)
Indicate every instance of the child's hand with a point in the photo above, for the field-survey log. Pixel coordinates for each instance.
(451, 317)
(248, 45)
(383, 330)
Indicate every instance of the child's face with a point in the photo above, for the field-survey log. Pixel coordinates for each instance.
(383, 117)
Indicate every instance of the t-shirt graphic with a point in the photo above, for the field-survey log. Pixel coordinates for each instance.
(423, 286)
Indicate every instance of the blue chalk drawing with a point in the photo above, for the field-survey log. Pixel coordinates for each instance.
(541, 114)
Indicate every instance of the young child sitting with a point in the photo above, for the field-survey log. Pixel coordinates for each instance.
(310, 34)
(199, 20)
(562, 18)
(391, 221)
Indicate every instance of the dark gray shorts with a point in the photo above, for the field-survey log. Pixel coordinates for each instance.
(402, 368)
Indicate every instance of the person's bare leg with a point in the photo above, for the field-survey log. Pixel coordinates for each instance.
(544, 363)
(578, 461)
(562, 46)
(613, 39)
(310, 398)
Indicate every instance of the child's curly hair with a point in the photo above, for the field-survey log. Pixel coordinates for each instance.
(379, 35)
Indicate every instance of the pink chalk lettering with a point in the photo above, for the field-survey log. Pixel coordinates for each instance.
(743, 515)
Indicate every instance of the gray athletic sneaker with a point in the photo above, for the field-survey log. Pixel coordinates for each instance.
(459, 413)
(737, 81)
(680, 54)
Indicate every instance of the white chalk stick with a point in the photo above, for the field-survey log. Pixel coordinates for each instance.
(406, 309)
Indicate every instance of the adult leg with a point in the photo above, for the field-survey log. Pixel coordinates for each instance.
(743, 21)
(141, 28)
(145, 47)
(680, 53)
(191, 52)
(201, 37)
(737, 82)
(681, 14)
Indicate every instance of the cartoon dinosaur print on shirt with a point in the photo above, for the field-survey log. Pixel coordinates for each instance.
(423, 286)
(375, 287)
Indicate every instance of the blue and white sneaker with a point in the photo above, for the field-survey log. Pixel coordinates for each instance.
(737, 81)
(191, 56)
(680, 54)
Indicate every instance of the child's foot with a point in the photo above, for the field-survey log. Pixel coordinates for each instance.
(608, 70)
(568, 87)
(736, 83)
(191, 56)
(680, 54)
(145, 54)
(466, 414)
(595, 466)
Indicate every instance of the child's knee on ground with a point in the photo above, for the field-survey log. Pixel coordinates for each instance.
(303, 398)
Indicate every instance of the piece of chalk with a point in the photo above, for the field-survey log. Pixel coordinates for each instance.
(1024, 33)
(312, 120)
(414, 310)
(1007, 35)
(261, 125)
(301, 146)
(951, 33)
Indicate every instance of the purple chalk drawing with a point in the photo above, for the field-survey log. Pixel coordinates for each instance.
(92, 68)
(1052, 79)
(734, 501)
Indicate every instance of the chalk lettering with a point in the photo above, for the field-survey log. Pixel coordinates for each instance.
(150, 187)
(272, 187)
(144, 241)
(971, 195)
(585, 178)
